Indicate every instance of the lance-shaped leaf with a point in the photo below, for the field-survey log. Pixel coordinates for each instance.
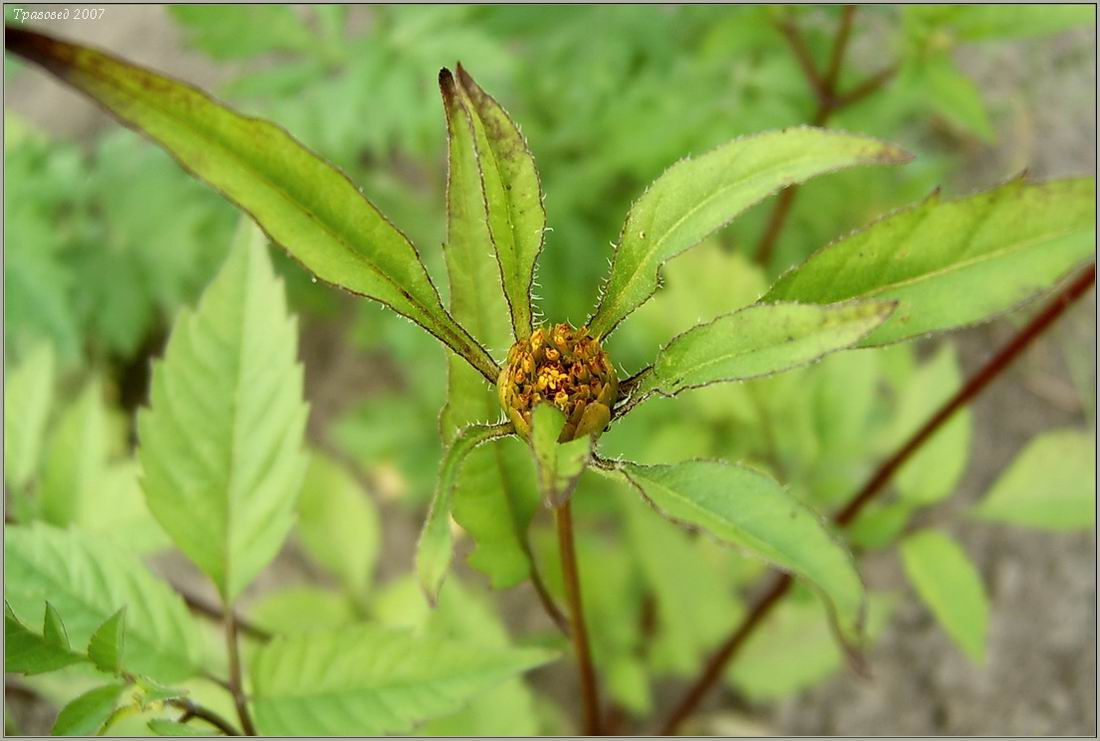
(303, 203)
(435, 548)
(221, 444)
(513, 197)
(952, 263)
(698, 195)
(365, 680)
(559, 465)
(493, 499)
(757, 341)
(26, 652)
(751, 510)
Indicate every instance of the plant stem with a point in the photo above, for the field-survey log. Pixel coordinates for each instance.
(191, 710)
(236, 686)
(996, 365)
(547, 601)
(200, 606)
(563, 520)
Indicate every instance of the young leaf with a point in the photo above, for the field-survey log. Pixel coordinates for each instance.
(698, 195)
(758, 341)
(87, 714)
(513, 197)
(28, 392)
(559, 465)
(338, 524)
(1050, 485)
(53, 629)
(87, 580)
(162, 727)
(949, 584)
(435, 548)
(76, 459)
(25, 652)
(108, 643)
(221, 444)
(365, 680)
(953, 263)
(303, 203)
(751, 510)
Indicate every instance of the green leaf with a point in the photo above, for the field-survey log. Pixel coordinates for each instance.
(698, 195)
(221, 444)
(28, 392)
(76, 459)
(25, 652)
(947, 91)
(1050, 485)
(751, 510)
(367, 681)
(162, 727)
(757, 341)
(559, 465)
(513, 197)
(108, 643)
(88, 580)
(338, 524)
(53, 629)
(236, 31)
(301, 202)
(951, 586)
(87, 714)
(953, 263)
(435, 549)
(1005, 21)
(302, 609)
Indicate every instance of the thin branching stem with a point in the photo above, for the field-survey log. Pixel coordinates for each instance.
(553, 612)
(200, 606)
(191, 710)
(563, 520)
(236, 685)
(719, 662)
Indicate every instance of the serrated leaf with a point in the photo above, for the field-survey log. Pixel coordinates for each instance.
(559, 465)
(338, 524)
(25, 652)
(88, 580)
(698, 195)
(221, 443)
(435, 549)
(758, 341)
(749, 509)
(108, 643)
(513, 197)
(302, 202)
(28, 392)
(1050, 485)
(87, 714)
(950, 586)
(76, 459)
(162, 727)
(366, 680)
(953, 263)
(53, 629)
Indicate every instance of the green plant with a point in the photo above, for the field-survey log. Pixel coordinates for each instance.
(230, 383)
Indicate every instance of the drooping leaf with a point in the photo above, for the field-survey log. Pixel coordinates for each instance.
(1050, 485)
(221, 443)
(749, 509)
(698, 195)
(365, 680)
(338, 524)
(951, 586)
(28, 392)
(87, 714)
(559, 465)
(435, 548)
(302, 202)
(953, 263)
(758, 341)
(88, 580)
(76, 459)
(26, 652)
(108, 643)
(513, 197)
(163, 727)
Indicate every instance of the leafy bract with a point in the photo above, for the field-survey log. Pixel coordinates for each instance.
(365, 680)
(952, 263)
(1050, 485)
(435, 548)
(698, 195)
(28, 391)
(108, 642)
(221, 444)
(26, 652)
(749, 509)
(513, 197)
(758, 341)
(303, 203)
(951, 586)
(88, 580)
(87, 714)
(559, 465)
